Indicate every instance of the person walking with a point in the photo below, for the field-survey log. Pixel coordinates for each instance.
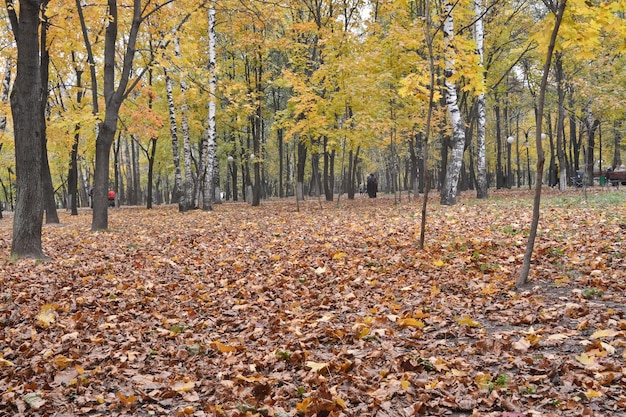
(372, 186)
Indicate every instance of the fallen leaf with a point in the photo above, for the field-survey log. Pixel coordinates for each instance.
(183, 386)
(224, 348)
(316, 366)
(604, 333)
(61, 362)
(411, 322)
(585, 359)
(591, 394)
(47, 315)
(126, 401)
(34, 400)
(5, 363)
(468, 321)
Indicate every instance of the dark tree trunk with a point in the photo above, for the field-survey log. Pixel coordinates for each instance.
(50, 207)
(72, 181)
(575, 142)
(25, 100)
(113, 98)
(119, 187)
(151, 157)
(353, 162)
(617, 156)
(499, 170)
(328, 172)
(591, 144)
(300, 170)
(281, 173)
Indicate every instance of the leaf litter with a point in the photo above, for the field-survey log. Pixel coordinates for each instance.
(327, 311)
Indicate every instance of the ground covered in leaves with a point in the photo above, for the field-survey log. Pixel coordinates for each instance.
(329, 311)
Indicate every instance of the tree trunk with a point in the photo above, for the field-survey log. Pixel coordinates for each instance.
(300, 171)
(113, 99)
(138, 197)
(560, 124)
(523, 277)
(481, 151)
(177, 192)
(130, 192)
(119, 181)
(50, 207)
(617, 138)
(72, 181)
(257, 129)
(25, 100)
(592, 127)
(212, 168)
(151, 157)
(450, 187)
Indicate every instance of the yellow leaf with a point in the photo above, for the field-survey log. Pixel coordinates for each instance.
(468, 321)
(304, 405)
(438, 263)
(47, 315)
(420, 315)
(316, 366)
(126, 401)
(363, 332)
(61, 361)
(489, 289)
(482, 380)
(340, 402)
(434, 291)
(534, 339)
(224, 348)
(5, 363)
(604, 333)
(585, 359)
(184, 386)
(590, 394)
(439, 364)
(411, 322)
(608, 348)
(339, 255)
(405, 384)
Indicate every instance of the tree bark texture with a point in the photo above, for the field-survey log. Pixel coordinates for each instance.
(450, 186)
(25, 102)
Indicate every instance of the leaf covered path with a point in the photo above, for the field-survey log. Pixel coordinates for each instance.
(326, 311)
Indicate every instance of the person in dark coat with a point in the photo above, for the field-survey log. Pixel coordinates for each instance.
(372, 186)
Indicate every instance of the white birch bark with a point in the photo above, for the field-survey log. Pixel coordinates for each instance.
(210, 140)
(177, 193)
(450, 186)
(481, 157)
(188, 186)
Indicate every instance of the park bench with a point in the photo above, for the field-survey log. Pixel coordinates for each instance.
(616, 177)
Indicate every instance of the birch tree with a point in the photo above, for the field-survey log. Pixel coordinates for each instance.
(450, 186)
(210, 155)
(188, 201)
(177, 192)
(481, 159)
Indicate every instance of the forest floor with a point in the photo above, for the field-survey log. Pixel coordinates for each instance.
(330, 310)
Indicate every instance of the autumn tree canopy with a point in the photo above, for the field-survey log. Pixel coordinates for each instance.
(311, 96)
